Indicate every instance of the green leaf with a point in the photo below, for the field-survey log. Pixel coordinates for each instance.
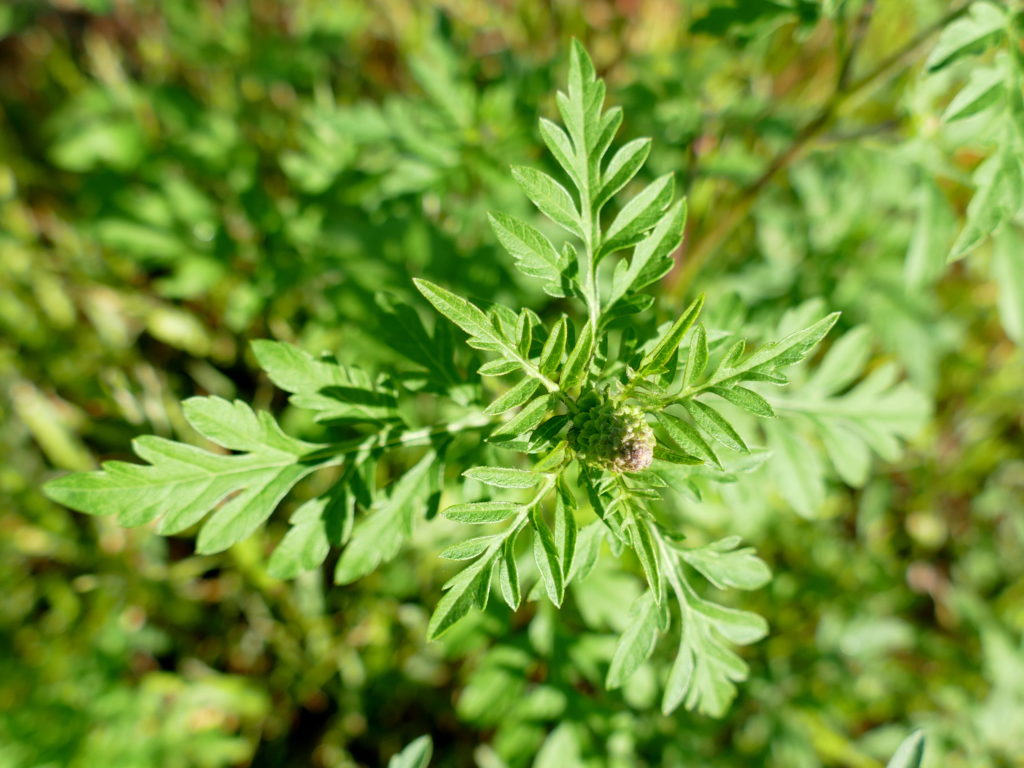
(746, 399)
(508, 574)
(578, 362)
(968, 35)
(550, 197)
(502, 477)
(910, 753)
(777, 354)
(982, 91)
(697, 358)
(999, 195)
(797, 470)
(705, 671)
(652, 257)
(182, 483)
(561, 148)
(725, 566)
(933, 230)
(566, 531)
(687, 438)
(483, 511)
(637, 643)
(401, 329)
(647, 553)
(545, 554)
(314, 527)
(658, 358)
(415, 755)
(332, 391)
(1008, 271)
(638, 215)
(514, 397)
(499, 367)
(463, 313)
(715, 425)
(524, 421)
(534, 254)
(553, 349)
(621, 168)
(466, 590)
(468, 549)
(379, 536)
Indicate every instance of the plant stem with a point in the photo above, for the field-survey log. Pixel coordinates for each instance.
(845, 92)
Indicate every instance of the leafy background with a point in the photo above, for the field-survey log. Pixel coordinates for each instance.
(177, 178)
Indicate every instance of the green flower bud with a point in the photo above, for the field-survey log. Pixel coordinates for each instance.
(616, 439)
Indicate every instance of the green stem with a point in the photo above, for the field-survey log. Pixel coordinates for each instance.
(738, 212)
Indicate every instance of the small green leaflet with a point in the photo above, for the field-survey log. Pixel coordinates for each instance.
(658, 358)
(550, 197)
(637, 642)
(379, 536)
(910, 753)
(315, 526)
(999, 196)
(333, 392)
(985, 22)
(1008, 271)
(483, 511)
(534, 254)
(982, 91)
(502, 477)
(726, 567)
(181, 483)
(415, 755)
(706, 669)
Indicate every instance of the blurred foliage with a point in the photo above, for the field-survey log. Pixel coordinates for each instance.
(179, 177)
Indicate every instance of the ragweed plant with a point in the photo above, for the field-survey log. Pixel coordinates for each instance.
(569, 462)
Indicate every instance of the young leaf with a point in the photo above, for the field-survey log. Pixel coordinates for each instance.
(534, 254)
(502, 477)
(550, 197)
(687, 438)
(999, 195)
(746, 399)
(466, 590)
(715, 425)
(379, 536)
(621, 168)
(528, 418)
(578, 361)
(658, 358)
(415, 755)
(636, 643)
(463, 313)
(910, 753)
(553, 349)
(638, 215)
(508, 574)
(652, 256)
(482, 511)
(697, 358)
(565, 528)
(513, 398)
(984, 89)
(545, 553)
(181, 483)
(971, 34)
(725, 566)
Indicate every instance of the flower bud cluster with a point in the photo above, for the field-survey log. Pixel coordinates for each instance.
(618, 439)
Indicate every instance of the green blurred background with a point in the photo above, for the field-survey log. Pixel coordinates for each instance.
(179, 177)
